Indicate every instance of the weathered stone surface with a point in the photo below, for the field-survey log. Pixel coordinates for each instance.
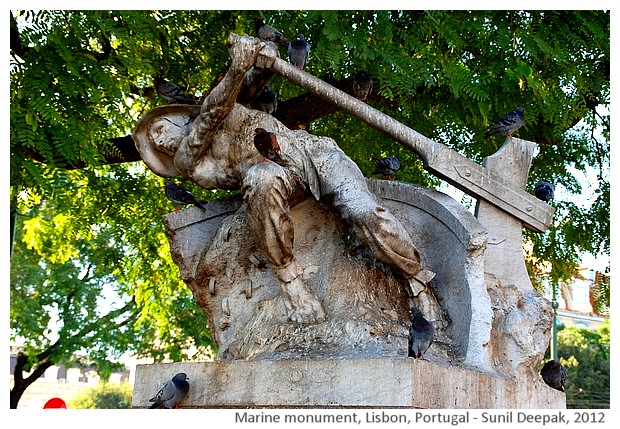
(522, 320)
(365, 301)
(336, 383)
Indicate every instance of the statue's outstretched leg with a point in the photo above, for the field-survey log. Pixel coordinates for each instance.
(270, 191)
(347, 191)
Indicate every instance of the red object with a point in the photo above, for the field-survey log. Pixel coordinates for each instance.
(55, 403)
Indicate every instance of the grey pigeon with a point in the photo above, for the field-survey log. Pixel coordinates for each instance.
(173, 392)
(298, 51)
(421, 334)
(268, 33)
(170, 92)
(387, 167)
(507, 124)
(544, 190)
(268, 101)
(362, 85)
(181, 196)
(553, 374)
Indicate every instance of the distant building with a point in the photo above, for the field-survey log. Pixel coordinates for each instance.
(575, 300)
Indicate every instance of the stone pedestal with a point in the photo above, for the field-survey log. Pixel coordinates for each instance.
(342, 383)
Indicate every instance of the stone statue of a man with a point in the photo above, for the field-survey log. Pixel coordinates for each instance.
(212, 145)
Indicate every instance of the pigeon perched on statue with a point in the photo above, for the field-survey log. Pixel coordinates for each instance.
(267, 145)
(268, 101)
(269, 34)
(553, 374)
(173, 392)
(362, 85)
(421, 334)
(543, 190)
(171, 93)
(508, 123)
(298, 51)
(387, 167)
(180, 196)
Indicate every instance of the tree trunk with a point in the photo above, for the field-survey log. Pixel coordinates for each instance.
(20, 384)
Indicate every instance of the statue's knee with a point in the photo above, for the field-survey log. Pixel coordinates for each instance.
(263, 180)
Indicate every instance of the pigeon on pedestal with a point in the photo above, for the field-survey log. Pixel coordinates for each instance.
(553, 374)
(421, 334)
(173, 392)
(508, 123)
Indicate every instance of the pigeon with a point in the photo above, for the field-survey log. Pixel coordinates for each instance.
(362, 85)
(298, 51)
(507, 124)
(181, 196)
(268, 101)
(269, 34)
(421, 334)
(543, 190)
(553, 374)
(173, 392)
(386, 166)
(267, 145)
(170, 92)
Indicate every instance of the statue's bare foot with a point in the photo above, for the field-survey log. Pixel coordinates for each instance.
(303, 306)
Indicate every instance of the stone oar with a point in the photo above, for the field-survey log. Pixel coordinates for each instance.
(470, 177)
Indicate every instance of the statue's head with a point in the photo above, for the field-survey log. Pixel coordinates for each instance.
(159, 134)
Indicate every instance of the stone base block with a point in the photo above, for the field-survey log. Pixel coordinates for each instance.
(342, 383)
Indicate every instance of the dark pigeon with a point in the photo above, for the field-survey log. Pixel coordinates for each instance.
(362, 85)
(170, 92)
(181, 196)
(387, 167)
(267, 145)
(298, 51)
(508, 123)
(544, 190)
(268, 101)
(553, 374)
(173, 392)
(421, 334)
(268, 33)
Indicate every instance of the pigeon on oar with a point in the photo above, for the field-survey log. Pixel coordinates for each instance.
(508, 123)
(362, 85)
(421, 334)
(544, 190)
(268, 33)
(387, 167)
(181, 196)
(298, 51)
(553, 374)
(170, 92)
(268, 101)
(267, 145)
(173, 392)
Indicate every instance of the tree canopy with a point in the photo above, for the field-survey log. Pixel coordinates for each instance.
(87, 213)
(585, 354)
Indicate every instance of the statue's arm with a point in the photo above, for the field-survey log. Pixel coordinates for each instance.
(220, 101)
